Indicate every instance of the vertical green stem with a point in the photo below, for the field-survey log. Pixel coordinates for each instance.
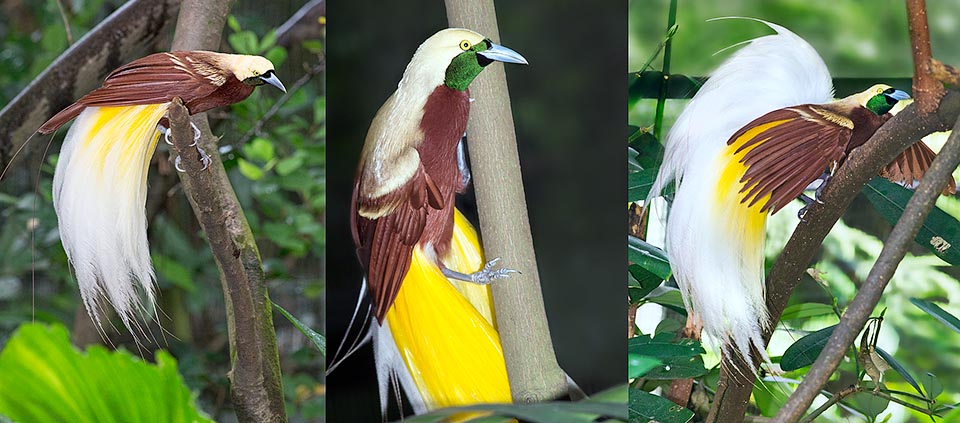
(662, 98)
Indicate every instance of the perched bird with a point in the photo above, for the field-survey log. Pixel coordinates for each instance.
(779, 132)
(434, 330)
(100, 182)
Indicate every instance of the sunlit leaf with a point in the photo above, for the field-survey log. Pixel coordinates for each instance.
(638, 365)
(806, 310)
(931, 384)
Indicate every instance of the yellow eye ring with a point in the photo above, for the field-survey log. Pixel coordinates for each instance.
(465, 45)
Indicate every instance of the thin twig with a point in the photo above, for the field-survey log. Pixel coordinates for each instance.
(66, 22)
(839, 396)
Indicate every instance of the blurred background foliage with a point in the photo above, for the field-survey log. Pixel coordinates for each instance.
(861, 43)
(274, 149)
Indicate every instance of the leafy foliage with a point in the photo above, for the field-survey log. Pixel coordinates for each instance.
(44, 379)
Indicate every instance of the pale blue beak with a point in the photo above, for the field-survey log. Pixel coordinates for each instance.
(502, 54)
(271, 78)
(899, 95)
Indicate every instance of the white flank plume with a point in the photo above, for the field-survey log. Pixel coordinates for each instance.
(717, 263)
(99, 193)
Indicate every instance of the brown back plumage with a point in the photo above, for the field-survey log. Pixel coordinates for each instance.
(195, 76)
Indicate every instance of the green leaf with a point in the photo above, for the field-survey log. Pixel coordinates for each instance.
(939, 233)
(260, 149)
(648, 257)
(672, 299)
(806, 310)
(931, 384)
(896, 366)
(249, 170)
(268, 41)
(173, 271)
(938, 313)
(645, 407)
(289, 165)
(638, 365)
(639, 183)
(319, 340)
(44, 379)
(244, 42)
(805, 351)
(680, 358)
(233, 24)
(641, 282)
(868, 404)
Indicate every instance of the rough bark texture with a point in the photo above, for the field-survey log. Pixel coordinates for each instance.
(255, 364)
(531, 361)
(122, 37)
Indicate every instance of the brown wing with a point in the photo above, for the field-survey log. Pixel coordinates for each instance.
(909, 167)
(787, 149)
(153, 79)
(385, 243)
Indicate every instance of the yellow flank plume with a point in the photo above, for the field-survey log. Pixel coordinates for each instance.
(743, 221)
(450, 347)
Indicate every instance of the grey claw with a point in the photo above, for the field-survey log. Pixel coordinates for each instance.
(196, 134)
(166, 134)
(488, 275)
(204, 158)
(176, 165)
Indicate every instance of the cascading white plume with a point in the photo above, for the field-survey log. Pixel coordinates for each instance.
(714, 243)
(99, 193)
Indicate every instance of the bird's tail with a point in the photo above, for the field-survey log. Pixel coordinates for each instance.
(439, 339)
(99, 193)
(714, 242)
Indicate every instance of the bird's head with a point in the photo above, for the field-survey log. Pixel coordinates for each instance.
(881, 98)
(252, 70)
(455, 56)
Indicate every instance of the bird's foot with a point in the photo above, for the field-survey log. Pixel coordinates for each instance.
(204, 158)
(462, 161)
(166, 134)
(807, 201)
(825, 178)
(483, 276)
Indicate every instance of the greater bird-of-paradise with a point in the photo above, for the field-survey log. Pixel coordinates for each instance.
(100, 182)
(434, 329)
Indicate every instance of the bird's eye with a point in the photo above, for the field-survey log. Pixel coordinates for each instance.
(465, 45)
(889, 91)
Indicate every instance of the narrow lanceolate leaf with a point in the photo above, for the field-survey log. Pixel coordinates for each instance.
(931, 384)
(646, 407)
(938, 313)
(806, 310)
(805, 351)
(940, 233)
(648, 257)
(896, 366)
(639, 183)
(319, 340)
(548, 412)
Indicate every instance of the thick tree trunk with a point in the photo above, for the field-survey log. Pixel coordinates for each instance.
(255, 365)
(522, 321)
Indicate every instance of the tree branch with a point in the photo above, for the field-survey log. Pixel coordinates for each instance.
(522, 322)
(926, 89)
(306, 24)
(119, 39)
(255, 365)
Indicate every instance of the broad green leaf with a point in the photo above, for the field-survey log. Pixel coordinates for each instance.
(639, 183)
(260, 149)
(806, 310)
(638, 365)
(899, 369)
(641, 282)
(938, 313)
(289, 165)
(647, 408)
(670, 298)
(45, 379)
(249, 170)
(940, 233)
(869, 404)
(805, 351)
(319, 340)
(649, 149)
(680, 358)
(173, 271)
(648, 257)
(931, 384)
(244, 42)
